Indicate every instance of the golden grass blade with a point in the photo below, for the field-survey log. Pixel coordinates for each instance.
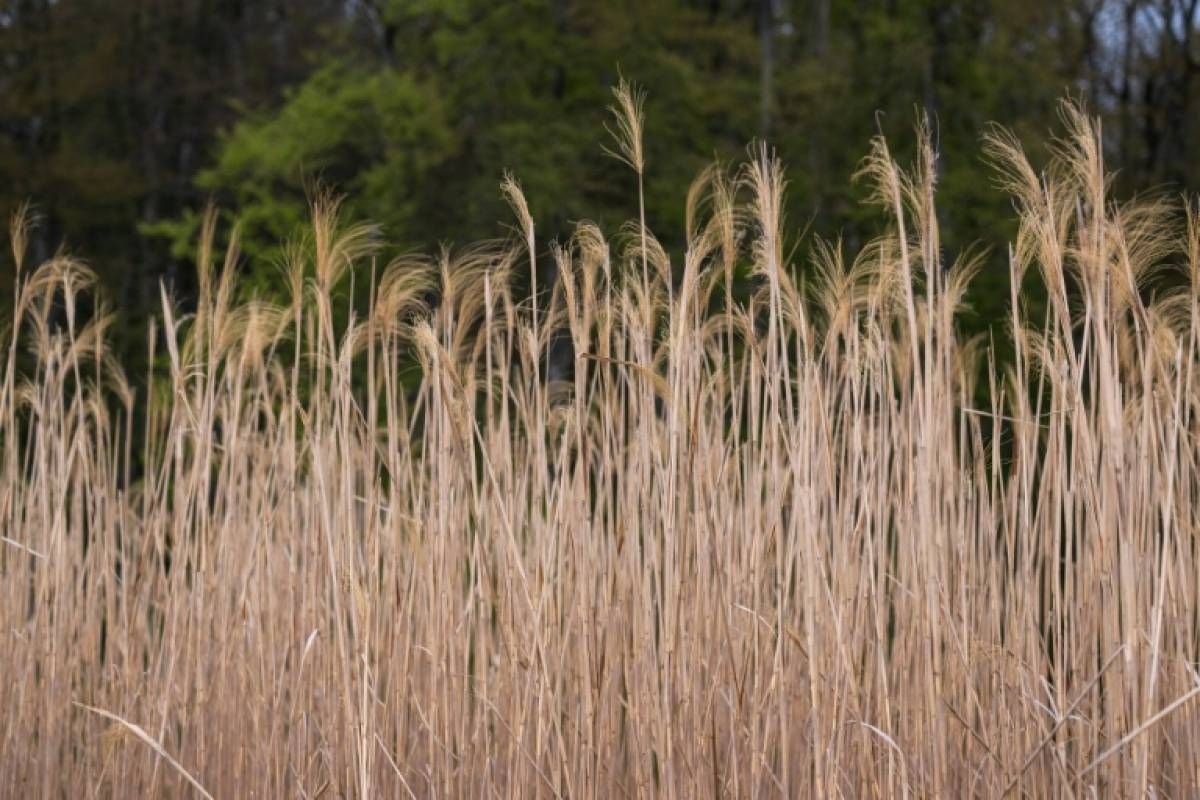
(140, 733)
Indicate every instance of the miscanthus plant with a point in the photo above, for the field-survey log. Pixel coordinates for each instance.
(754, 547)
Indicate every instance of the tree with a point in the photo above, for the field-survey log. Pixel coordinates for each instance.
(122, 119)
(418, 131)
(108, 108)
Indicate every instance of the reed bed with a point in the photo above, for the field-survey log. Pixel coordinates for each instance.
(630, 533)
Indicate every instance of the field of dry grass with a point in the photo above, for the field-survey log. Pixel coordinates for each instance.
(734, 548)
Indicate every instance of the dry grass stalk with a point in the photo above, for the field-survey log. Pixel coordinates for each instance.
(760, 548)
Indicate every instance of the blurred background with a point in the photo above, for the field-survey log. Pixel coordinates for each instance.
(121, 119)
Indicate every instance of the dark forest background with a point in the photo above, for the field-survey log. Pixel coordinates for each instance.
(120, 120)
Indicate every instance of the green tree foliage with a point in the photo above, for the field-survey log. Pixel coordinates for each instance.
(377, 135)
(122, 119)
(109, 107)
(523, 86)
(419, 135)
(879, 64)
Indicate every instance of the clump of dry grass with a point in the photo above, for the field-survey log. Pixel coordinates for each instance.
(767, 550)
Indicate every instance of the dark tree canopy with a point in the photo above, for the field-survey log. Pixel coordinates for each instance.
(121, 119)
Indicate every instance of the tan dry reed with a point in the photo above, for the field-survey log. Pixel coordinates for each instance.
(745, 549)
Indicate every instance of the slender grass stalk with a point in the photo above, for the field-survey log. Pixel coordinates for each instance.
(759, 543)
